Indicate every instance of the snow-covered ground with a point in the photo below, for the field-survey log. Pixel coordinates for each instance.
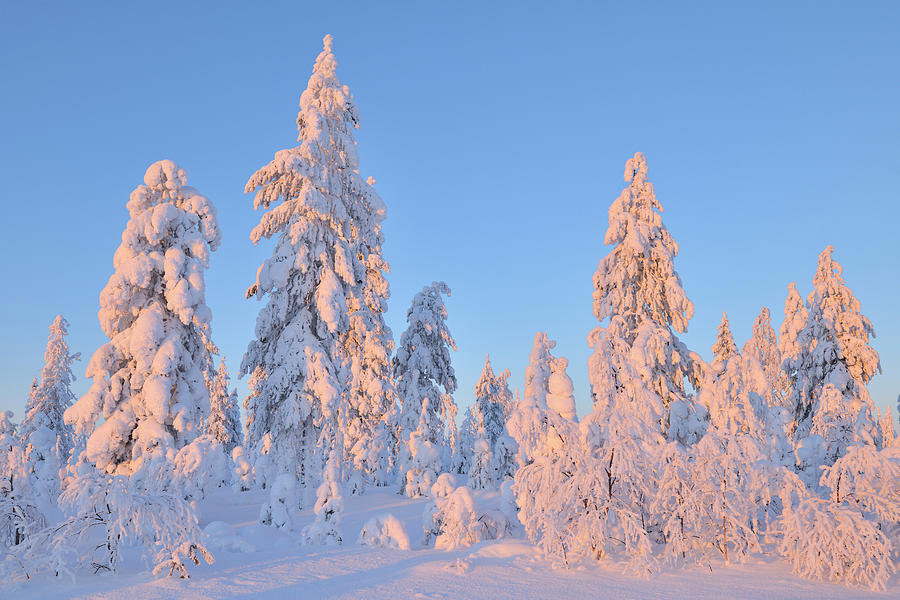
(256, 561)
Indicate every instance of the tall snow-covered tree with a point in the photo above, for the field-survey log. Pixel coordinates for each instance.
(795, 318)
(724, 348)
(423, 374)
(528, 422)
(493, 403)
(835, 360)
(320, 360)
(53, 395)
(638, 290)
(149, 380)
(491, 411)
(224, 422)
(763, 346)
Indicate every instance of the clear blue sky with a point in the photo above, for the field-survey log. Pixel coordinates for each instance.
(498, 136)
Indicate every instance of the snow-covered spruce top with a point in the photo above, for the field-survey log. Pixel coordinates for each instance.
(322, 349)
(149, 380)
(724, 347)
(637, 280)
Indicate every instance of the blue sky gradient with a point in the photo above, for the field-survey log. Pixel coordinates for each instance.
(498, 136)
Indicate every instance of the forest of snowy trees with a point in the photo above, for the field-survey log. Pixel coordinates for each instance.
(775, 448)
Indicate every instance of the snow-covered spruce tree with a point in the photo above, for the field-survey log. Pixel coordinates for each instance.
(829, 372)
(20, 515)
(888, 433)
(492, 461)
(149, 380)
(224, 422)
(320, 360)
(724, 347)
(43, 430)
(424, 376)
(638, 371)
(528, 421)
(637, 288)
(763, 346)
(795, 319)
(424, 465)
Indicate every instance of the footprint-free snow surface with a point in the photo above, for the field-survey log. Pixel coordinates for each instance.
(256, 561)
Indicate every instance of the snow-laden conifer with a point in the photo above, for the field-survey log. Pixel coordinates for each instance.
(724, 347)
(224, 422)
(763, 346)
(43, 429)
(528, 421)
(320, 360)
(831, 367)
(638, 290)
(795, 318)
(424, 377)
(328, 508)
(493, 448)
(149, 380)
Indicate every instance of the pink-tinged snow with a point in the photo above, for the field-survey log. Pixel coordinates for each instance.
(256, 561)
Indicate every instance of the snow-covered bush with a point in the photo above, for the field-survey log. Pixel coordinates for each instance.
(120, 511)
(423, 467)
(481, 471)
(243, 470)
(384, 531)
(219, 535)
(431, 516)
(328, 509)
(828, 540)
(200, 468)
(459, 521)
(281, 503)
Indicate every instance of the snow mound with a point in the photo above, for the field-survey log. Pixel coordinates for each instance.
(384, 531)
(219, 535)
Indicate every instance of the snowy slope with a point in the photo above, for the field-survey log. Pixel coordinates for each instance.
(267, 563)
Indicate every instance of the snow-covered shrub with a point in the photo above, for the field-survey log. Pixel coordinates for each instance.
(121, 511)
(384, 531)
(459, 521)
(828, 540)
(328, 509)
(431, 521)
(219, 535)
(424, 465)
(505, 458)
(200, 468)
(281, 503)
(243, 471)
(481, 471)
